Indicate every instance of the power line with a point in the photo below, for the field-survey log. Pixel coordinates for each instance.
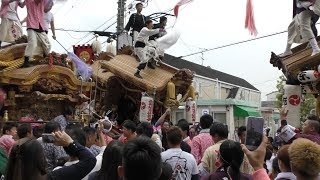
(231, 44)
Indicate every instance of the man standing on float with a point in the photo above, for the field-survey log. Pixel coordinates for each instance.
(143, 49)
(136, 22)
(37, 38)
(299, 30)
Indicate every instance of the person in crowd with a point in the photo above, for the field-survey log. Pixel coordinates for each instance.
(129, 130)
(184, 126)
(183, 164)
(144, 129)
(310, 129)
(166, 173)
(112, 158)
(230, 158)
(305, 159)
(194, 131)
(284, 164)
(219, 133)
(38, 42)
(103, 142)
(24, 131)
(204, 140)
(143, 49)
(275, 169)
(9, 132)
(241, 132)
(65, 117)
(269, 152)
(27, 160)
(256, 159)
(91, 140)
(10, 27)
(141, 160)
(136, 22)
(164, 129)
(51, 152)
(3, 162)
(78, 135)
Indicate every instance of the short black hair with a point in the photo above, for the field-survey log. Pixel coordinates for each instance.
(185, 147)
(166, 171)
(148, 22)
(183, 125)
(241, 130)
(8, 126)
(206, 121)
(130, 125)
(51, 126)
(139, 3)
(284, 122)
(89, 130)
(78, 135)
(219, 129)
(145, 129)
(174, 135)
(23, 130)
(141, 159)
(162, 18)
(68, 110)
(312, 117)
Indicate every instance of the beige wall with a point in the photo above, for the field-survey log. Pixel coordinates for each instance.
(210, 89)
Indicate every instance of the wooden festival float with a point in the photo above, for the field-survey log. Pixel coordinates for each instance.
(118, 86)
(301, 69)
(40, 91)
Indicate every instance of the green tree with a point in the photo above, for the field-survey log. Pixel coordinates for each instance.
(308, 103)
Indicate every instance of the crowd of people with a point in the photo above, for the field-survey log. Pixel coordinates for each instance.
(161, 150)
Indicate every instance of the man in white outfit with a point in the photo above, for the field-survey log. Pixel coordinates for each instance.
(299, 30)
(143, 49)
(10, 27)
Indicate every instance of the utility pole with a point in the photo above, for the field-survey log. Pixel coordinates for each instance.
(120, 17)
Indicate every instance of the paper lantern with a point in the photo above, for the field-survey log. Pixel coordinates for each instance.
(292, 100)
(146, 109)
(308, 76)
(111, 48)
(191, 111)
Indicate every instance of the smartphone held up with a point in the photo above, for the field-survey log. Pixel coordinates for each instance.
(254, 132)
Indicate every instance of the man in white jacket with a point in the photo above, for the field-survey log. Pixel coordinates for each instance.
(143, 49)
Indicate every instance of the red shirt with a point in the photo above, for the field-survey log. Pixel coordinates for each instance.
(199, 145)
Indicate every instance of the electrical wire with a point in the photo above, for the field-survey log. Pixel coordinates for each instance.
(231, 44)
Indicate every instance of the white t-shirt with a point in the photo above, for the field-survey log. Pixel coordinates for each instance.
(183, 164)
(12, 13)
(48, 18)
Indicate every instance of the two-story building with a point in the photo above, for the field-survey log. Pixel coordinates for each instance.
(229, 99)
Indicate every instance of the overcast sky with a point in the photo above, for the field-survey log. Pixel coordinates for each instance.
(207, 24)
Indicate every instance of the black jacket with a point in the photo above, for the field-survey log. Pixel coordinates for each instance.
(76, 171)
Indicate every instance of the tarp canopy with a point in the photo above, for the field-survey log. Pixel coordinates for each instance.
(243, 111)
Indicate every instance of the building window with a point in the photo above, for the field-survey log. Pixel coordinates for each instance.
(220, 117)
